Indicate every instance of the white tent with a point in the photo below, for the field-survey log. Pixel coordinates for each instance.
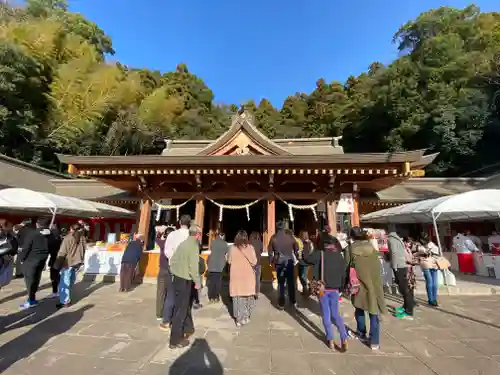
(22, 201)
(472, 205)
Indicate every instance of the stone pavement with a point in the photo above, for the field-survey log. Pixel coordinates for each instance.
(110, 333)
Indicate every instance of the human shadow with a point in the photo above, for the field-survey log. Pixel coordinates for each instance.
(46, 308)
(23, 293)
(29, 342)
(423, 303)
(198, 359)
(306, 323)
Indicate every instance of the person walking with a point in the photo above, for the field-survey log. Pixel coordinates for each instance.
(427, 253)
(130, 260)
(399, 263)
(243, 260)
(55, 242)
(8, 249)
(172, 242)
(164, 276)
(283, 252)
(330, 269)
(363, 257)
(256, 241)
(184, 266)
(307, 248)
(33, 257)
(215, 265)
(69, 259)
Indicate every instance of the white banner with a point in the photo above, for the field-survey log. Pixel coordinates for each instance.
(346, 203)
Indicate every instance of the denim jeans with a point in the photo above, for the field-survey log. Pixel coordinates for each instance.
(285, 274)
(329, 303)
(68, 277)
(374, 326)
(303, 273)
(431, 284)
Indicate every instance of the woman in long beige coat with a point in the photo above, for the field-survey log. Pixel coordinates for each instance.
(242, 260)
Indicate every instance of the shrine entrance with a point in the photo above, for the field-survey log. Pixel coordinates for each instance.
(234, 220)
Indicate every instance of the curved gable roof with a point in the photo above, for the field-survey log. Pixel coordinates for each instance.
(242, 123)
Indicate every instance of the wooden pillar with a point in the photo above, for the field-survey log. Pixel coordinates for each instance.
(212, 220)
(144, 220)
(331, 212)
(271, 220)
(355, 214)
(199, 213)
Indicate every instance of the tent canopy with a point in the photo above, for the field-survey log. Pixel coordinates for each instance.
(472, 205)
(28, 201)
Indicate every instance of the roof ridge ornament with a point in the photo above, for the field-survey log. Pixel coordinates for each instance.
(245, 115)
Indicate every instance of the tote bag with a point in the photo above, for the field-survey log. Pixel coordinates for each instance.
(6, 271)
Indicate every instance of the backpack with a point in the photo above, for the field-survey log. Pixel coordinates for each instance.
(352, 285)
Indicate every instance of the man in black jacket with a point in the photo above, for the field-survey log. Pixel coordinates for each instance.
(54, 242)
(33, 258)
(283, 250)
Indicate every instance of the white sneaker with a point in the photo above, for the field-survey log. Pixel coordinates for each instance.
(53, 295)
(374, 347)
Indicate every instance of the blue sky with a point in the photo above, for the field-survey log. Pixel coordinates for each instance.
(258, 49)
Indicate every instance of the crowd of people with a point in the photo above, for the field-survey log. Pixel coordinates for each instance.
(30, 249)
(342, 265)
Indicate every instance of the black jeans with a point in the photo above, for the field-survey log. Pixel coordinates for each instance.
(55, 277)
(214, 284)
(32, 270)
(182, 321)
(258, 273)
(161, 290)
(286, 275)
(407, 294)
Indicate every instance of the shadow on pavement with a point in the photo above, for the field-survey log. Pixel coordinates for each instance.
(423, 303)
(46, 308)
(295, 313)
(198, 359)
(28, 343)
(16, 295)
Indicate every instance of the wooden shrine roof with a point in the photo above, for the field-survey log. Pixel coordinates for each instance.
(250, 160)
(246, 148)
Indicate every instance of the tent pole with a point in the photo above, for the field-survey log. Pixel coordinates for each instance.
(437, 233)
(53, 216)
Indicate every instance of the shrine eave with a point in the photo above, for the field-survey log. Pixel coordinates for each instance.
(413, 157)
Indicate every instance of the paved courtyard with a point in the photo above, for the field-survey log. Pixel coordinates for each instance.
(110, 333)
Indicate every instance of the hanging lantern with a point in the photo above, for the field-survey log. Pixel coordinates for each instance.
(178, 212)
(248, 212)
(158, 212)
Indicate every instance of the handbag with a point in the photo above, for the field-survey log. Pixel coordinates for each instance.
(6, 271)
(353, 284)
(318, 286)
(5, 246)
(442, 263)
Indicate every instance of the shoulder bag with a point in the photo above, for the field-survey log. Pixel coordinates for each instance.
(353, 284)
(318, 286)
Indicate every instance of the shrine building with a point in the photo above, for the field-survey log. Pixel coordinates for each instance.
(244, 180)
